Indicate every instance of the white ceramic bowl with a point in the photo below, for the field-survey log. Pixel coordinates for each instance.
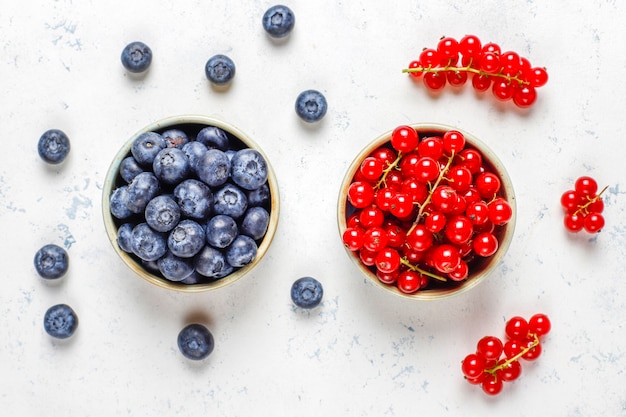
(191, 124)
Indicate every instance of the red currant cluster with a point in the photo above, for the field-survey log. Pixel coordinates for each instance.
(583, 206)
(424, 211)
(509, 75)
(496, 362)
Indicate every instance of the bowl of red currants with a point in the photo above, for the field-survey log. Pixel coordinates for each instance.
(190, 203)
(426, 211)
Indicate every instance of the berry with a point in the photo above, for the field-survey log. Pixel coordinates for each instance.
(136, 57)
(146, 147)
(162, 213)
(278, 21)
(195, 342)
(129, 169)
(230, 200)
(241, 252)
(220, 70)
(146, 243)
(124, 234)
(143, 188)
(311, 106)
(249, 169)
(60, 321)
(213, 138)
(186, 239)
(53, 146)
(221, 231)
(404, 139)
(214, 167)
(194, 199)
(211, 263)
(51, 261)
(174, 267)
(175, 138)
(171, 166)
(255, 222)
(583, 206)
(307, 292)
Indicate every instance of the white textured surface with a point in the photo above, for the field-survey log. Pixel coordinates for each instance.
(363, 352)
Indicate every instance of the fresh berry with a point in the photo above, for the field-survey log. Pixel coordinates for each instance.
(174, 267)
(214, 167)
(146, 147)
(195, 341)
(53, 146)
(255, 222)
(148, 244)
(211, 263)
(248, 169)
(162, 213)
(220, 70)
(583, 206)
(171, 166)
(186, 239)
(143, 188)
(230, 200)
(194, 198)
(241, 252)
(278, 21)
(129, 169)
(221, 231)
(60, 321)
(213, 138)
(51, 261)
(136, 57)
(311, 106)
(307, 292)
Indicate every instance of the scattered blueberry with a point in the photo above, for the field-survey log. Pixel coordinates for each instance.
(307, 292)
(174, 267)
(171, 165)
(255, 222)
(124, 237)
(51, 261)
(162, 213)
(213, 167)
(129, 169)
(186, 239)
(278, 21)
(220, 69)
(143, 188)
(195, 342)
(175, 138)
(221, 231)
(53, 146)
(194, 198)
(311, 106)
(118, 203)
(211, 262)
(60, 321)
(249, 169)
(136, 57)
(230, 200)
(146, 147)
(147, 243)
(213, 137)
(242, 251)
(194, 151)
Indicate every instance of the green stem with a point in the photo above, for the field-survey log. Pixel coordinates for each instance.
(517, 357)
(412, 267)
(387, 170)
(583, 208)
(467, 68)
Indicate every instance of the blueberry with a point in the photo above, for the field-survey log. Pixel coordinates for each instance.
(195, 342)
(162, 213)
(193, 279)
(260, 196)
(194, 198)
(148, 244)
(311, 106)
(136, 57)
(175, 138)
(255, 222)
(174, 267)
(53, 146)
(242, 251)
(213, 138)
(60, 321)
(194, 151)
(213, 168)
(118, 203)
(211, 262)
(249, 169)
(129, 169)
(51, 261)
(186, 239)
(307, 292)
(143, 188)
(146, 147)
(220, 69)
(230, 200)
(124, 237)
(221, 230)
(278, 21)
(171, 165)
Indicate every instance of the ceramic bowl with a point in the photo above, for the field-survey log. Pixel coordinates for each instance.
(480, 268)
(191, 124)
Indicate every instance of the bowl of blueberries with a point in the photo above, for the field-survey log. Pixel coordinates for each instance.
(190, 203)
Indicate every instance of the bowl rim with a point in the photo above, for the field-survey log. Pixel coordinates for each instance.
(507, 235)
(111, 228)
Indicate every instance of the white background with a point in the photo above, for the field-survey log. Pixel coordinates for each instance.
(363, 352)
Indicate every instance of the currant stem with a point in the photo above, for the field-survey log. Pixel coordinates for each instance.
(387, 170)
(412, 267)
(583, 208)
(506, 363)
(467, 68)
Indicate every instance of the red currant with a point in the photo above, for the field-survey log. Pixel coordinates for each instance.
(459, 230)
(404, 139)
(500, 211)
(481, 82)
(387, 260)
(360, 194)
(571, 201)
(413, 65)
(488, 184)
(430, 58)
(453, 142)
(485, 244)
(510, 63)
(434, 80)
(409, 281)
(539, 324)
(492, 385)
(431, 146)
(594, 222)
(490, 348)
(420, 238)
(435, 222)
(534, 349)
(374, 239)
(489, 63)
(524, 96)
(459, 273)
(503, 89)
(574, 222)
(538, 77)
(401, 206)
(353, 238)
(372, 168)
(473, 366)
(444, 198)
(586, 186)
(445, 258)
(371, 216)
(477, 212)
(471, 159)
(448, 49)
(509, 371)
(516, 327)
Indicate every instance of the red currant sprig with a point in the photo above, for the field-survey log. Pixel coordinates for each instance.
(496, 362)
(583, 206)
(509, 75)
